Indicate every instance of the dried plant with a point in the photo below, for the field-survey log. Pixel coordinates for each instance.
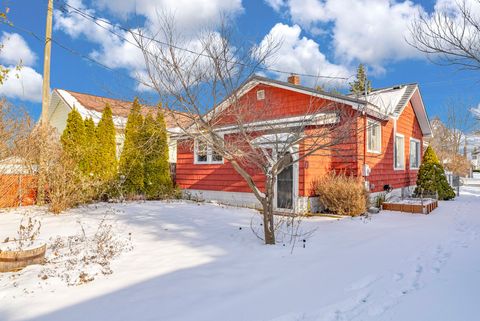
(27, 234)
(342, 194)
(79, 258)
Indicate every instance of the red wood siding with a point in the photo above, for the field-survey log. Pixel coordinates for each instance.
(382, 165)
(341, 158)
(278, 103)
(214, 177)
(347, 157)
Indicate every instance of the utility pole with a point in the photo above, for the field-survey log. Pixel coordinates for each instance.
(42, 161)
(46, 64)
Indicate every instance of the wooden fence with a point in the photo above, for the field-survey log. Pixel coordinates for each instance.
(17, 190)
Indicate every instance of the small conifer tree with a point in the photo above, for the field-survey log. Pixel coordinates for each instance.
(73, 139)
(132, 158)
(157, 181)
(358, 86)
(431, 177)
(107, 146)
(90, 156)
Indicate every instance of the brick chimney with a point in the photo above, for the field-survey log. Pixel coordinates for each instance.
(294, 79)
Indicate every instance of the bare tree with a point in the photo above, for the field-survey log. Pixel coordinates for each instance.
(450, 140)
(450, 35)
(201, 79)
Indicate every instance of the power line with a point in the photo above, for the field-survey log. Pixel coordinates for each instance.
(96, 20)
(77, 53)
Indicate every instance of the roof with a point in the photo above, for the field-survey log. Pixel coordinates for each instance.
(381, 103)
(392, 100)
(92, 106)
(16, 165)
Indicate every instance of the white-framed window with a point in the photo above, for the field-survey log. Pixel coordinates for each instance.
(414, 153)
(374, 136)
(260, 94)
(399, 152)
(204, 154)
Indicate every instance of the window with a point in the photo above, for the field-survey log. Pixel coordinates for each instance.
(414, 153)
(260, 94)
(204, 154)
(374, 136)
(201, 152)
(399, 152)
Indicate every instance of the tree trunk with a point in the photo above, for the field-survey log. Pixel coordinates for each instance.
(268, 222)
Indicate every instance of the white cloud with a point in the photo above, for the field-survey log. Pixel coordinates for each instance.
(369, 31)
(15, 49)
(189, 15)
(23, 84)
(301, 55)
(120, 51)
(476, 111)
(276, 4)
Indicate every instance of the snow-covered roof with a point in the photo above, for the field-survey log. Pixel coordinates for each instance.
(15, 165)
(391, 101)
(85, 112)
(92, 106)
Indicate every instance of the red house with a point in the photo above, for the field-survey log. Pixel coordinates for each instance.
(386, 149)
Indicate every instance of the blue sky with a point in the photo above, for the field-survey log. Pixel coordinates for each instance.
(326, 37)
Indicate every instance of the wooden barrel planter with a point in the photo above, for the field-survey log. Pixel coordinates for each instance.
(17, 260)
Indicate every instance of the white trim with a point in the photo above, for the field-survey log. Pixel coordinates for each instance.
(419, 152)
(379, 138)
(242, 199)
(279, 123)
(209, 154)
(395, 153)
(418, 108)
(295, 186)
(172, 150)
(306, 120)
(261, 94)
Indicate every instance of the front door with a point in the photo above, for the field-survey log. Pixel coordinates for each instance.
(285, 188)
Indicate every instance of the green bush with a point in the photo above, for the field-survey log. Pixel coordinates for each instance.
(107, 165)
(132, 158)
(157, 181)
(431, 178)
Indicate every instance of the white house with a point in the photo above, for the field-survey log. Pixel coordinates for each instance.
(63, 101)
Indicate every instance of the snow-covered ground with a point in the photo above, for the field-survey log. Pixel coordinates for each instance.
(202, 262)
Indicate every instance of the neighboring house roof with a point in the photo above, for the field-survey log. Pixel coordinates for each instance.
(16, 165)
(381, 103)
(92, 106)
